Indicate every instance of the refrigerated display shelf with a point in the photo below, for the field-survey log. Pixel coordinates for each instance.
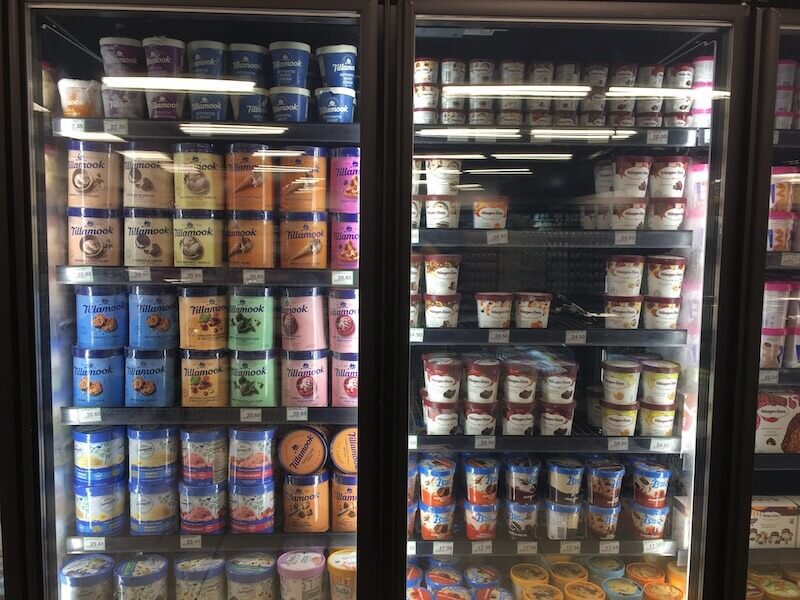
(786, 138)
(776, 462)
(763, 556)
(768, 377)
(529, 547)
(131, 129)
(205, 416)
(206, 543)
(784, 261)
(458, 135)
(212, 275)
(500, 238)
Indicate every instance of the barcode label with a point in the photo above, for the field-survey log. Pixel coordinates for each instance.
(250, 415)
(139, 274)
(499, 336)
(790, 259)
(115, 126)
(575, 338)
(608, 548)
(663, 445)
(411, 548)
(768, 376)
(570, 547)
(442, 548)
(481, 547)
(192, 275)
(94, 544)
(497, 236)
(527, 547)
(341, 278)
(89, 415)
(618, 444)
(624, 238)
(81, 275)
(484, 442)
(297, 413)
(416, 335)
(412, 442)
(253, 277)
(652, 546)
(415, 236)
(191, 541)
(657, 137)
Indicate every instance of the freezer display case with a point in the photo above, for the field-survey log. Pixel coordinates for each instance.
(565, 214)
(195, 190)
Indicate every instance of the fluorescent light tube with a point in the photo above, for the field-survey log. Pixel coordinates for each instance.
(223, 129)
(180, 84)
(498, 171)
(529, 156)
(449, 156)
(148, 155)
(469, 132)
(521, 91)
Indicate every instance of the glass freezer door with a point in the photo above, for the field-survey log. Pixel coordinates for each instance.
(564, 251)
(195, 186)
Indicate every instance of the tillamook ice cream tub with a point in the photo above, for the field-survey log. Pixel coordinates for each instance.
(303, 181)
(199, 177)
(146, 183)
(164, 57)
(203, 318)
(204, 377)
(95, 237)
(249, 177)
(148, 237)
(93, 175)
(252, 314)
(251, 239)
(198, 238)
(304, 240)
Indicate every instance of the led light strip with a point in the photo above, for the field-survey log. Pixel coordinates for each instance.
(180, 84)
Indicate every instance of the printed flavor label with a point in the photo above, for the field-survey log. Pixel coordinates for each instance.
(203, 514)
(253, 512)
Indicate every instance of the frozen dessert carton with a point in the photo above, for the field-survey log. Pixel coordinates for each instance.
(773, 521)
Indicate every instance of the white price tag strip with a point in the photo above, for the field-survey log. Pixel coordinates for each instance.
(341, 278)
(652, 546)
(790, 259)
(482, 547)
(139, 274)
(657, 137)
(570, 547)
(253, 277)
(412, 442)
(94, 544)
(496, 237)
(484, 442)
(192, 275)
(89, 415)
(624, 238)
(575, 338)
(768, 376)
(499, 336)
(776, 135)
(663, 445)
(72, 126)
(618, 444)
(297, 413)
(191, 541)
(116, 126)
(442, 548)
(81, 275)
(608, 548)
(527, 547)
(411, 548)
(250, 415)
(415, 236)
(416, 335)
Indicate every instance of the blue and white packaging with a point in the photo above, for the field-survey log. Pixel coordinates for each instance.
(100, 509)
(99, 455)
(207, 60)
(98, 377)
(150, 377)
(335, 104)
(289, 63)
(101, 312)
(153, 507)
(248, 62)
(289, 104)
(251, 108)
(337, 65)
(153, 317)
(88, 576)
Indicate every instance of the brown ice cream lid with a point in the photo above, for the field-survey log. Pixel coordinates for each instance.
(658, 407)
(622, 366)
(626, 258)
(657, 300)
(666, 259)
(661, 366)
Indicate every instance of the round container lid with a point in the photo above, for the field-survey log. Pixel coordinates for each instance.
(252, 433)
(344, 450)
(437, 467)
(565, 465)
(661, 366)
(151, 432)
(343, 560)
(198, 568)
(251, 567)
(562, 508)
(142, 570)
(301, 564)
(203, 434)
(622, 366)
(303, 451)
(482, 466)
(86, 571)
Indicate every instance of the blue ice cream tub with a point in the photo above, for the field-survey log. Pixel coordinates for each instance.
(150, 377)
(148, 571)
(207, 60)
(153, 453)
(413, 576)
(98, 377)
(87, 576)
(101, 314)
(289, 63)
(251, 108)
(604, 567)
(335, 104)
(100, 509)
(337, 65)
(153, 317)
(208, 107)
(289, 104)
(248, 62)
(99, 455)
(444, 561)
(153, 507)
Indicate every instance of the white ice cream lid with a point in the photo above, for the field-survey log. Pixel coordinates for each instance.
(290, 46)
(289, 90)
(249, 48)
(107, 41)
(163, 41)
(337, 48)
(335, 90)
(206, 44)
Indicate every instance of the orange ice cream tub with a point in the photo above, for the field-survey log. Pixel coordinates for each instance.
(251, 239)
(303, 451)
(662, 591)
(204, 378)
(541, 591)
(344, 450)
(304, 180)
(304, 240)
(306, 503)
(526, 574)
(562, 573)
(344, 502)
(644, 573)
(203, 318)
(250, 177)
(583, 590)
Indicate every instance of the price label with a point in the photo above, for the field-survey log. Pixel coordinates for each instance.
(618, 444)
(768, 376)
(570, 547)
(624, 238)
(484, 442)
(776, 135)
(499, 336)
(81, 275)
(253, 277)
(462, 138)
(575, 338)
(116, 126)
(94, 544)
(189, 542)
(89, 415)
(72, 126)
(497, 236)
(706, 137)
(415, 236)
(140, 274)
(250, 415)
(442, 548)
(482, 547)
(412, 442)
(527, 547)
(416, 335)
(411, 548)
(192, 275)
(297, 413)
(657, 137)
(342, 278)
(652, 546)
(608, 548)
(663, 445)
(790, 259)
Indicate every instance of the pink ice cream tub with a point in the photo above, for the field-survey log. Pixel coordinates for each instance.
(704, 70)
(483, 379)
(304, 378)
(345, 180)
(621, 119)
(480, 418)
(303, 319)
(677, 119)
(343, 320)
(345, 247)
(344, 379)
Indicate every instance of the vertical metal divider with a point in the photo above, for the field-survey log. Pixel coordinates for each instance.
(765, 46)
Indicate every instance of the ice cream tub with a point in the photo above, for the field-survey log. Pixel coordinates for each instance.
(152, 453)
(631, 174)
(153, 507)
(344, 503)
(148, 237)
(665, 214)
(781, 188)
(303, 450)
(412, 477)
(200, 177)
(663, 591)
(207, 60)
(622, 312)
(436, 481)
(452, 116)
(592, 119)
(122, 104)
(303, 181)
(649, 119)
(483, 377)
(439, 576)
(453, 71)
(677, 119)
(621, 118)
(645, 573)
(198, 237)
(344, 379)
(604, 179)
(482, 479)
(661, 313)
(622, 589)
(783, 98)
(521, 477)
(124, 56)
(342, 566)
(441, 418)
(650, 483)
(519, 378)
(250, 239)
(563, 573)
(482, 577)
(345, 178)
(773, 342)
(702, 118)
(583, 590)
(95, 237)
(199, 576)
(779, 231)
(337, 65)
(304, 240)
(343, 322)
(480, 418)
(289, 63)
(100, 509)
(146, 183)
(778, 589)
(441, 273)
(558, 381)
(304, 378)
(565, 119)
(98, 378)
(604, 567)
(556, 418)
(648, 523)
(252, 507)
(624, 275)
(418, 593)
(99, 455)
(203, 507)
(521, 519)
(204, 455)
(649, 105)
(442, 212)
(436, 522)
(594, 102)
(303, 319)
(565, 476)
(665, 275)
(426, 96)
(668, 176)
(489, 212)
(508, 117)
(86, 577)
(251, 108)
(618, 419)
(203, 318)
(416, 261)
(442, 176)
(144, 576)
(164, 57)
(150, 377)
(621, 381)
(251, 315)
(248, 188)
(289, 104)
(660, 381)
(628, 214)
(604, 482)
(523, 575)
(80, 98)
(562, 520)
(539, 118)
(251, 575)
(480, 70)
(335, 104)
(248, 63)
(442, 378)
(426, 70)
(494, 309)
(656, 420)
(480, 520)
(250, 455)
(480, 116)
